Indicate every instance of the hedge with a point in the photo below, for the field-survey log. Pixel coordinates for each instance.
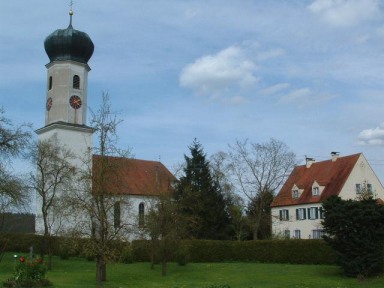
(265, 251)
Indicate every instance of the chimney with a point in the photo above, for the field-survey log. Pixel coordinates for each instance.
(309, 161)
(334, 156)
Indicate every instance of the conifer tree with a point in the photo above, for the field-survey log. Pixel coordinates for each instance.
(200, 199)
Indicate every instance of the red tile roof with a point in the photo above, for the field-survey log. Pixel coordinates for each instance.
(131, 176)
(331, 174)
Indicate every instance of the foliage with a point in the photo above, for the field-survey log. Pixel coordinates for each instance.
(355, 230)
(200, 199)
(28, 273)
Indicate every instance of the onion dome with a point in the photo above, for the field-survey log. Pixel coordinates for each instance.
(69, 44)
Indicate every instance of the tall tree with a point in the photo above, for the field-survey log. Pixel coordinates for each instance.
(258, 169)
(13, 141)
(51, 181)
(355, 230)
(200, 198)
(93, 200)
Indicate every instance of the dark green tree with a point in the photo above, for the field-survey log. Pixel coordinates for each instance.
(355, 230)
(200, 199)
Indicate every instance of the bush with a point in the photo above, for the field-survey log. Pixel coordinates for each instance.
(29, 273)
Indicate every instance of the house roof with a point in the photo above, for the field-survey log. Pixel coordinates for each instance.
(128, 176)
(331, 174)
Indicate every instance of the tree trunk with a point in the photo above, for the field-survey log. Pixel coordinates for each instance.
(101, 269)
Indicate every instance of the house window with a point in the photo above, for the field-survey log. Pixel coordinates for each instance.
(300, 214)
(141, 214)
(313, 213)
(50, 83)
(369, 188)
(117, 215)
(322, 213)
(358, 188)
(284, 215)
(315, 191)
(297, 234)
(287, 234)
(295, 194)
(76, 82)
(317, 234)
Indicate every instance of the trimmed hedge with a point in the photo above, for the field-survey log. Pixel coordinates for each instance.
(266, 251)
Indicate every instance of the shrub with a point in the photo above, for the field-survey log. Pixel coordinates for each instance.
(29, 273)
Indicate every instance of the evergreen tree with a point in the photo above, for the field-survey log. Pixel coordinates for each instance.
(355, 230)
(200, 198)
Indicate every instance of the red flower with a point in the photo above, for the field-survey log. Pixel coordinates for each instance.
(22, 259)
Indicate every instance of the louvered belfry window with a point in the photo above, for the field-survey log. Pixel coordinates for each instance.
(76, 82)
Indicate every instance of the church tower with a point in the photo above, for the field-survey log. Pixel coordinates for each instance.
(69, 51)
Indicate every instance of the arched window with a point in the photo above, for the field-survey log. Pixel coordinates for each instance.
(141, 214)
(76, 82)
(117, 214)
(50, 83)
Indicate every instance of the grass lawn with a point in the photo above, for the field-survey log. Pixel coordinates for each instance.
(81, 273)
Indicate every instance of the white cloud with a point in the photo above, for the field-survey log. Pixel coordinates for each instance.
(305, 97)
(345, 13)
(274, 89)
(213, 74)
(373, 136)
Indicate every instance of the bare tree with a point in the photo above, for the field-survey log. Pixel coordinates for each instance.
(258, 169)
(51, 181)
(13, 141)
(94, 199)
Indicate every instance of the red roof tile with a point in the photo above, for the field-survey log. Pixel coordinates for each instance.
(331, 174)
(131, 176)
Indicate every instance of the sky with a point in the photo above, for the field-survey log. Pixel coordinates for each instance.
(307, 72)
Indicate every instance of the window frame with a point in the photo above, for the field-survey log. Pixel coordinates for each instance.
(76, 82)
(316, 191)
(117, 214)
(284, 214)
(297, 233)
(301, 214)
(141, 214)
(313, 215)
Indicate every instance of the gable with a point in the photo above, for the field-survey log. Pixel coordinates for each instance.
(331, 175)
(128, 176)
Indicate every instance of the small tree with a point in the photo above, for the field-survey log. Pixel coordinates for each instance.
(355, 230)
(51, 181)
(93, 200)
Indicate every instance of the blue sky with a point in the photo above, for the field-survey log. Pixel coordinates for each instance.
(309, 73)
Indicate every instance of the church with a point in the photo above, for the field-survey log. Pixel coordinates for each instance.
(138, 181)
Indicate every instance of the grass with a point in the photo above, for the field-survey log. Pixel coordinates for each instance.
(81, 273)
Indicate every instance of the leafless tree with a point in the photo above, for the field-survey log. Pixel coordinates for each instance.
(94, 199)
(51, 180)
(13, 141)
(259, 168)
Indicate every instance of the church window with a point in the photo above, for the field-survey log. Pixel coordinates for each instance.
(50, 83)
(117, 215)
(141, 214)
(76, 82)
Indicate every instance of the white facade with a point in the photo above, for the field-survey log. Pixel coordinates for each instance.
(303, 220)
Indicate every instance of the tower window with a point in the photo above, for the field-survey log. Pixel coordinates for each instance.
(141, 214)
(50, 83)
(76, 82)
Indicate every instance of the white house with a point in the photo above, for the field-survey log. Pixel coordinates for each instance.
(297, 210)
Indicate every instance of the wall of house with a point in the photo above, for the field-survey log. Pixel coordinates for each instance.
(308, 228)
(362, 174)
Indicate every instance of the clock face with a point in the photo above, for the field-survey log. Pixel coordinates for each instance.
(49, 104)
(75, 102)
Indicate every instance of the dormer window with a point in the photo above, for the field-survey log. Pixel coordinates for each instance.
(315, 191)
(295, 194)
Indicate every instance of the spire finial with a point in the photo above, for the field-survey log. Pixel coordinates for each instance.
(70, 13)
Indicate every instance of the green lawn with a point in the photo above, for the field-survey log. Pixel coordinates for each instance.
(80, 273)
